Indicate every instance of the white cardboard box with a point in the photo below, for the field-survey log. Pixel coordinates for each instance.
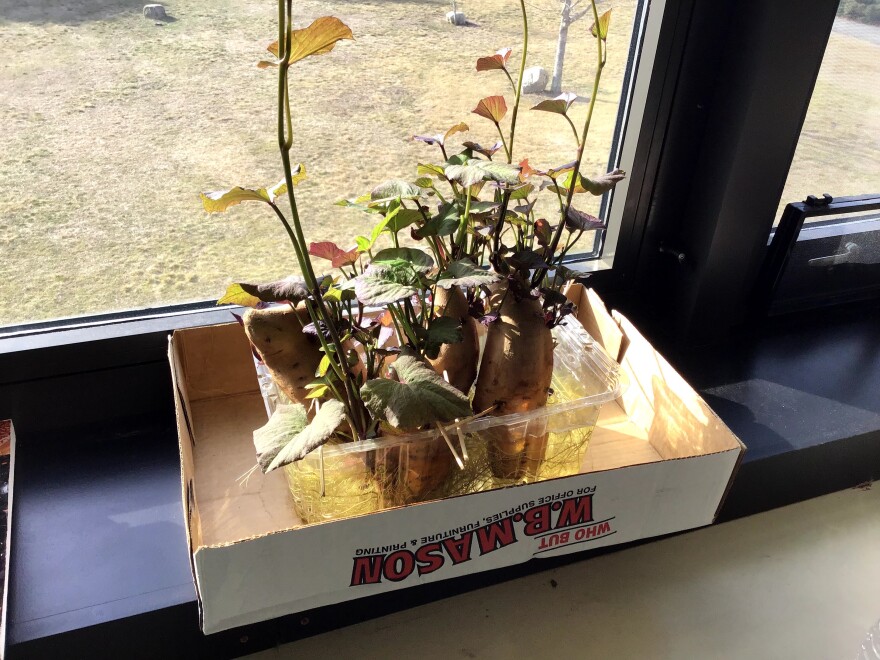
(660, 461)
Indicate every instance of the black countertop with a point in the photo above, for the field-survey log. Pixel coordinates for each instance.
(99, 557)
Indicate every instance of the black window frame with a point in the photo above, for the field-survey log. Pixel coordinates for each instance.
(703, 106)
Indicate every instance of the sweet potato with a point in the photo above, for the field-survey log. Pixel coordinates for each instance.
(515, 375)
(411, 472)
(290, 355)
(459, 360)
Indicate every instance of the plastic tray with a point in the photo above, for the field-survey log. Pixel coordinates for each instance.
(347, 479)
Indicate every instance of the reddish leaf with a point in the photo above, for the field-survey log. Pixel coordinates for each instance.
(492, 108)
(526, 170)
(497, 61)
(542, 232)
(334, 254)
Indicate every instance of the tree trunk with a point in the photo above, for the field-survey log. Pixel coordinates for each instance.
(564, 22)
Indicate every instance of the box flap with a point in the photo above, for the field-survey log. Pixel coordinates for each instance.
(207, 356)
(594, 316)
(678, 421)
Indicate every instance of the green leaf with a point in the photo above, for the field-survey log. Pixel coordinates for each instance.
(286, 422)
(235, 295)
(425, 182)
(477, 170)
(357, 203)
(465, 273)
(317, 433)
(323, 365)
(394, 189)
(403, 256)
(318, 392)
(218, 201)
(318, 38)
(444, 223)
(377, 231)
(495, 62)
(460, 158)
(558, 105)
(363, 243)
(563, 183)
(384, 286)
(493, 108)
(441, 330)
(444, 330)
(290, 289)
(335, 294)
(602, 31)
(522, 192)
(403, 219)
(427, 169)
(394, 274)
(421, 396)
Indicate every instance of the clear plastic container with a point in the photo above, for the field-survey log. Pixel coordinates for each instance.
(345, 479)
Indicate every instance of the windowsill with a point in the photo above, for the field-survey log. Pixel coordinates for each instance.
(99, 556)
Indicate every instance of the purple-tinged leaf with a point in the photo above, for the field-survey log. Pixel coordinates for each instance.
(290, 289)
(527, 260)
(576, 220)
(603, 183)
(488, 152)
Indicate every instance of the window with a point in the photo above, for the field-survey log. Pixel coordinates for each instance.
(115, 122)
(839, 147)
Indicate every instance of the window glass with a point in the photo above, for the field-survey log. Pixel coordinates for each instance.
(839, 148)
(114, 122)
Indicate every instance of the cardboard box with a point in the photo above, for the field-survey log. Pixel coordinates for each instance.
(660, 461)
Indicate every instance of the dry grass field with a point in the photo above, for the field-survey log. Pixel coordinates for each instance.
(113, 125)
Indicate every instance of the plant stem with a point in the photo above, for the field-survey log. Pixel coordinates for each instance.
(507, 152)
(551, 249)
(522, 67)
(285, 142)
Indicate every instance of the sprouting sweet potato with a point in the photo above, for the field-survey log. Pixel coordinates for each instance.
(290, 355)
(413, 471)
(515, 375)
(458, 360)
